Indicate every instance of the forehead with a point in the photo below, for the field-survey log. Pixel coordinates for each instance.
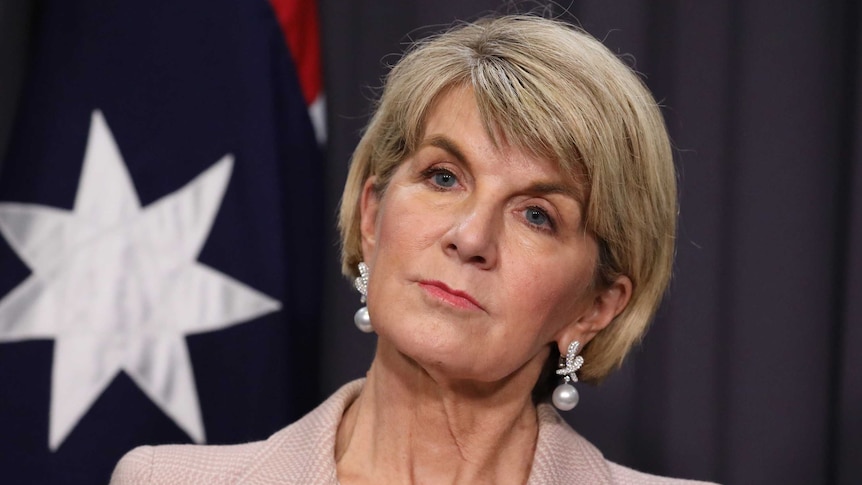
(456, 124)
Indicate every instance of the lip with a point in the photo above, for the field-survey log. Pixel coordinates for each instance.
(456, 298)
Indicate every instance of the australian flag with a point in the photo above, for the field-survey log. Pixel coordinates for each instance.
(161, 221)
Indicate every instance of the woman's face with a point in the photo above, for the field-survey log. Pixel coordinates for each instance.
(478, 254)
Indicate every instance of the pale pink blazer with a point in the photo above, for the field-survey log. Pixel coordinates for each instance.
(303, 453)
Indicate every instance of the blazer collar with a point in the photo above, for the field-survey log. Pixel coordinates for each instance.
(304, 452)
(564, 456)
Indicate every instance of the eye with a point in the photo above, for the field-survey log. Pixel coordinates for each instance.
(538, 217)
(442, 178)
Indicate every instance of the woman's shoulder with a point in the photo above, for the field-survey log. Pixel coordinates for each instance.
(626, 476)
(302, 452)
(214, 464)
(564, 456)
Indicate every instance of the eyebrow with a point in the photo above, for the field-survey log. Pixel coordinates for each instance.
(554, 188)
(448, 145)
(539, 188)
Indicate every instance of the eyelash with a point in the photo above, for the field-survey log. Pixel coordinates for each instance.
(551, 226)
(429, 173)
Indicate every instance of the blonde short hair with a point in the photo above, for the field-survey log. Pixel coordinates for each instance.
(552, 89)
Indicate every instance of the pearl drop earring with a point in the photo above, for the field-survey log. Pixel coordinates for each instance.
(565, 396)
(361, 318)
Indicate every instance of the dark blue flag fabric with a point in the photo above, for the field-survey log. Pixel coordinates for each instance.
(162, 223)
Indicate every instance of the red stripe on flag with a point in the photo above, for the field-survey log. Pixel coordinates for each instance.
(298, 20)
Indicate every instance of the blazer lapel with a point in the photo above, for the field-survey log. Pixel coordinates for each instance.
(563, 456)
(304, 452)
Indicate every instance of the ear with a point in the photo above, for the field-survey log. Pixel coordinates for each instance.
(369, 203)
(606, 305)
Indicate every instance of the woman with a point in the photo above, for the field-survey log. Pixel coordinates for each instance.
(512, 199)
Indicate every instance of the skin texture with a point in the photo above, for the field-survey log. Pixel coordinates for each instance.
(479, 261)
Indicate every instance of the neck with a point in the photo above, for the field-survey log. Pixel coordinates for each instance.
(412, 426)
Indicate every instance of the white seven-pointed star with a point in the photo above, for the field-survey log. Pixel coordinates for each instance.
(118, 286)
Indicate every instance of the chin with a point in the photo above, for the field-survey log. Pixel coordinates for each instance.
(445, 359)
(432, 353)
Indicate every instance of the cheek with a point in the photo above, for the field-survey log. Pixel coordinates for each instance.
(406, 225)
(550, 294)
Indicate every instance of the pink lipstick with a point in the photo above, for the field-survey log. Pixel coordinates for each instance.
(456, 298)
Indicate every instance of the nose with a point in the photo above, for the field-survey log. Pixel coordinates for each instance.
(473, 236)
